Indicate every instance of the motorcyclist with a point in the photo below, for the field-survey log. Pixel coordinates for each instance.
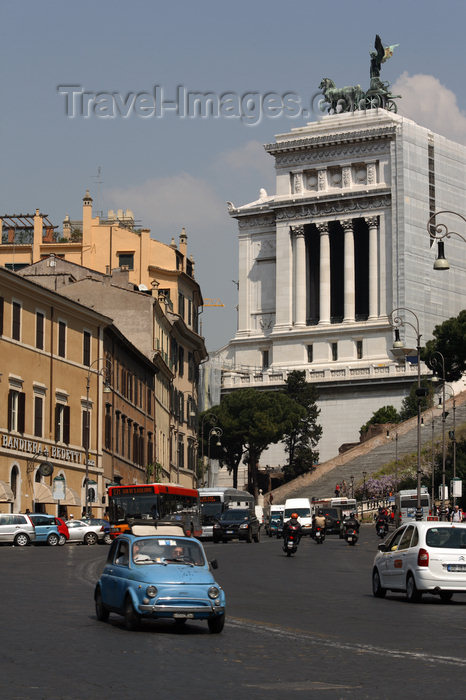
(382, 520)
(319, 521)
(293, 525)
(351, 523)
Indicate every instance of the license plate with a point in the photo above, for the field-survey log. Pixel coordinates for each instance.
(183, 616)
(229, 532)
(456, 567)
(350, 539)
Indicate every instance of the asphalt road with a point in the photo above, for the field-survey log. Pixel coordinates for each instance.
(301, 627)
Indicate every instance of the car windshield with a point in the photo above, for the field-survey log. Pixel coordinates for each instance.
(167, 551)
(331, 513)
(276, 518)
(235, 515)
(446, 537)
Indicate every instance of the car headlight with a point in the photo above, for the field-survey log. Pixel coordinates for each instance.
(244, 526)
(216, 526)
(213, 592)
(151, 591)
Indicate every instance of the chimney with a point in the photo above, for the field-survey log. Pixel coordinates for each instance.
(183, 241)
(87, 213)
(67, 228)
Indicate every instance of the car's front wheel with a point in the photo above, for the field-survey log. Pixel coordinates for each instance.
(53, 540)
(21, 540)
(107, 539)
(132, 619)
(61, 540)
(100, 609)
(90, 538)
(377, 589)
(412, 593)
(216, 623)
(257, 536)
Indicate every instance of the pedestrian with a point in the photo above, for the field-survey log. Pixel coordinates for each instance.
(457, 515)
(337, 490)
(344, 488)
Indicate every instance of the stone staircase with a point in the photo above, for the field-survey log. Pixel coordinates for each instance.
(371, 455)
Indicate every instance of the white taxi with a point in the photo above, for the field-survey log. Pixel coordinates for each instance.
(422, 557)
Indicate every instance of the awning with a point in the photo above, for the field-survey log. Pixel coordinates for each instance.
(6, 494)
(43, 493)
(71, 498)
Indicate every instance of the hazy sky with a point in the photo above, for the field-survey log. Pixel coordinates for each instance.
(175, 171)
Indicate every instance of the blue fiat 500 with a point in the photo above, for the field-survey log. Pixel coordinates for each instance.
(165, 575)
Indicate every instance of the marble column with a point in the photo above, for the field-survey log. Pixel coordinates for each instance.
(299, 276)
(372, 222)
(349, 273)
(324, 291)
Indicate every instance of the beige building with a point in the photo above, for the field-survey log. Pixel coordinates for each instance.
(162, 338)
(159, 272)
(49, 345)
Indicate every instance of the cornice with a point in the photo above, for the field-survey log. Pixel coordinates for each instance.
(322, 205)
(327, 139)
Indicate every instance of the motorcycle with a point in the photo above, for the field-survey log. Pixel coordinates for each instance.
(351, 536)
(382, 529)
(319, 535)
(290, 544)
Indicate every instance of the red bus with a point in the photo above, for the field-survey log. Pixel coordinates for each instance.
(154, 501)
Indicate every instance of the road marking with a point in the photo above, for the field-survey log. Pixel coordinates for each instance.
(302, 636)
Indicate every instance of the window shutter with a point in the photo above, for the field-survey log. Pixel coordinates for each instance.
(10, 402)
(21, 411)
(66, 425)
(57, 422)
(2, 302)
(38, 405)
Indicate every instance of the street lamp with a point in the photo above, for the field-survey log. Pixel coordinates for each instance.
(352, 486)
(432, 488)
(444, 417)
(103, 371)
(210, 418)
(453, 435)
(438, 232)
(397, 322)
(364, 486)
(213, 432)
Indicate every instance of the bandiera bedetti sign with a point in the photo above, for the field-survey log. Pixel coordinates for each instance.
(11, 442)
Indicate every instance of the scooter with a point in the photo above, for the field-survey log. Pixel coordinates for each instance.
(351, 536)
(319, 535)
(381, 529)
(290, 544)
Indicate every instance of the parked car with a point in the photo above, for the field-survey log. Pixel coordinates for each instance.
(159, 576)
(46, 529)
(237, 523)
(86, 533)
(63, 530)
(17, 529)
(105, 524)
(422, 557)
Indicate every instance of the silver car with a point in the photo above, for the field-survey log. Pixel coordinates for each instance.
(84, 532)
(17, 529)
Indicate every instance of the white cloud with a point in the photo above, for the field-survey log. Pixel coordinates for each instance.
(431, 104)
(166, 204)
(251, 156)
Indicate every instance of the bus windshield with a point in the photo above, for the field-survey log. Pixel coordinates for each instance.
(150, 502)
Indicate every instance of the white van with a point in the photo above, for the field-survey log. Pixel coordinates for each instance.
(301, 506)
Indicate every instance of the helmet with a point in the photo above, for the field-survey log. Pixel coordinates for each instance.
(352, 515)
(321, 512)
(294, 515)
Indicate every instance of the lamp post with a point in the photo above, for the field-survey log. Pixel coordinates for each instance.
(397, 322)
(105, 370)
(210, 418)
(453, 435)
(364, 486)
(352, 486)
(213, 432)
(444, 417)
(438, 232)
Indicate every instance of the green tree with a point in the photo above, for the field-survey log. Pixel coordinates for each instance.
(251, 420)
(386, 414)
(410, 402)
(303, 435)
(450, 340)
